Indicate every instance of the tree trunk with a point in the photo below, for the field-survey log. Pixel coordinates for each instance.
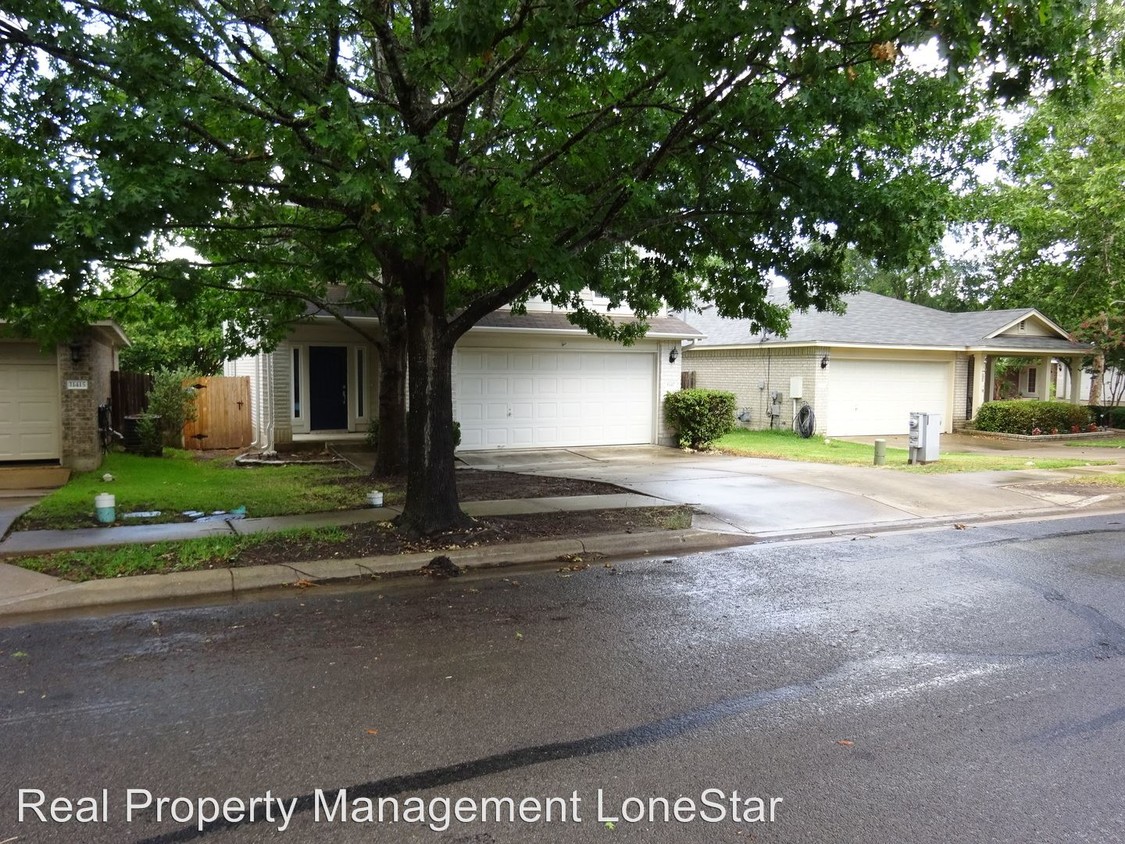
(431, 487)
(1099, 362)
(1096, 379)
(391, 448)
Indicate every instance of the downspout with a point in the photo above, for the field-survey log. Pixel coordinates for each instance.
(266, 429)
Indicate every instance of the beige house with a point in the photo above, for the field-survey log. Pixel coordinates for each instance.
(864, 371)
(529, 380)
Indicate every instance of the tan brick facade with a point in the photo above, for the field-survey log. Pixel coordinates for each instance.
(754, 374)
(81, 446)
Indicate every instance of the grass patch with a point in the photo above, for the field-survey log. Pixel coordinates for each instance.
(1117, 442)
(164, 557)
(786, 445)
(182, 481)
(1112, 479)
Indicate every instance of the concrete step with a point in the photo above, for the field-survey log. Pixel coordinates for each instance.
(33, 477)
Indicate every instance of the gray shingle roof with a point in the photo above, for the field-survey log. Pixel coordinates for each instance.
(658, 327)
(874, 320)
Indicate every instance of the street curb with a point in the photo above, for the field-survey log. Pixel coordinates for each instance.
(234, 581)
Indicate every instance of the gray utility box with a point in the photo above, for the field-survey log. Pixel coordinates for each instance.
(925, 433)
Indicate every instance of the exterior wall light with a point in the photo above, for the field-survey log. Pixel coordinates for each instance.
(672, 355)
(77, 351)
(824, 361)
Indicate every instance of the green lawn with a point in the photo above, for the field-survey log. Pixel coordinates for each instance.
(163, 557)
(1114, 443)
(181, 480)
(786, 445)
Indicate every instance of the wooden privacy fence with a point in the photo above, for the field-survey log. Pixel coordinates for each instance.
(128, 396)
(222, 413)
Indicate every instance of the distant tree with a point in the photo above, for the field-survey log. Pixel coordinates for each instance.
(197, 332)
(946, 283)
(1060, 211)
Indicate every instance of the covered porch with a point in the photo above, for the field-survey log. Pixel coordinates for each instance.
(1033, 380)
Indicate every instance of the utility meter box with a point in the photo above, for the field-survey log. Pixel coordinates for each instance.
(924, 437)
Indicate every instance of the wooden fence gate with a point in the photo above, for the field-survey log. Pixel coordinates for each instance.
(222, 413)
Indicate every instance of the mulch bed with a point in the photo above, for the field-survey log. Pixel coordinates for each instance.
(381, 538)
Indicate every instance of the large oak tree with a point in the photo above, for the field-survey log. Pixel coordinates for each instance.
(444, 159)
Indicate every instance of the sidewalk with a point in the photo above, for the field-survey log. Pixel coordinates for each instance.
(24, 592)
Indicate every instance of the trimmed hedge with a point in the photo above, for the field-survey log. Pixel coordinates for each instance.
(699, 417)
(1024, 416)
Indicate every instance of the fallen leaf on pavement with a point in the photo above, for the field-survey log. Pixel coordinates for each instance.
(845, 742)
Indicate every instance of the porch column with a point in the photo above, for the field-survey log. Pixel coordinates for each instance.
(980, 378)
(990, 382)
(1075, 380)
(1043, 385)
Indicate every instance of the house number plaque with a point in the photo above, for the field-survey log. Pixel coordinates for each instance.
(78, 385)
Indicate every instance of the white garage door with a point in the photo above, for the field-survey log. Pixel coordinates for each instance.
(29, 404)
(532, 399)
(876, 397)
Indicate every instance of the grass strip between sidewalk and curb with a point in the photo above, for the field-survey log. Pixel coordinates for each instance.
(379, 539)
(786, 445)
(209, 552)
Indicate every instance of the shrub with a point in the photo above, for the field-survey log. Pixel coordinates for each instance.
(1024, 417)
(699, 417)
(173, 403)
(148, 432)
(1112, 416)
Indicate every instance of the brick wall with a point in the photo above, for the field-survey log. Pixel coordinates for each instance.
(960, 388)
(81, 447)
(753, 374)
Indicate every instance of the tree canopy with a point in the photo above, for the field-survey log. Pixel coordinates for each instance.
(445, 159)
(1058, 214)
(1060, 208)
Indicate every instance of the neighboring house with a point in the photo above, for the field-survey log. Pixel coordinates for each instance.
(1113, 385)
(864, 371)
(519, 381)
(49, 400)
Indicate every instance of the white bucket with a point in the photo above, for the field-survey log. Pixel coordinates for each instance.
(375, 499)
(104, 505)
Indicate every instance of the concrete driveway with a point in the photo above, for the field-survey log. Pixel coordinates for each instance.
(777, 497)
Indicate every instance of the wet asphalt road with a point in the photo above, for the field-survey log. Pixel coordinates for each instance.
(926, 687)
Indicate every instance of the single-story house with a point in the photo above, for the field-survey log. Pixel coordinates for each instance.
(528, 380)
(864, 371)
(49, 399)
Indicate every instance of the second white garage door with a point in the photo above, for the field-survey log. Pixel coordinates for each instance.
(532, 399)
(869, 397)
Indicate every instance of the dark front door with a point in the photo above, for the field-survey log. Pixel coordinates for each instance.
(328, 388)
